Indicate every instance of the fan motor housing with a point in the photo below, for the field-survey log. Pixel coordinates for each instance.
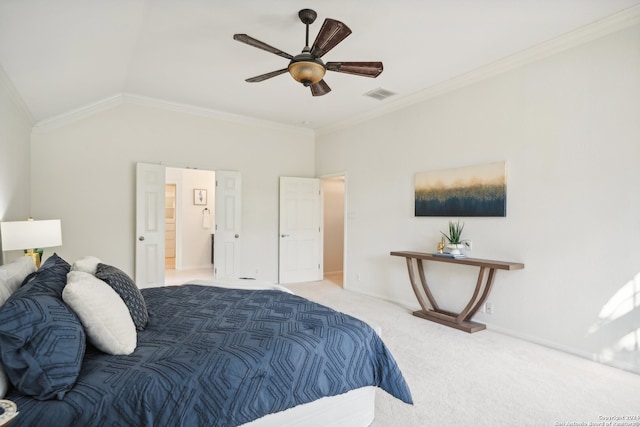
(306, 69)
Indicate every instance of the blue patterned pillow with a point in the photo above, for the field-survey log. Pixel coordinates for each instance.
(128, 291)
(42, 341)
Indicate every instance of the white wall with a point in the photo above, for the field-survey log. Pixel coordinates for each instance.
(568, 127)
(15, 179)
(86, 176)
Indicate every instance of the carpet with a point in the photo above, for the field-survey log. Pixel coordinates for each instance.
(486, 378)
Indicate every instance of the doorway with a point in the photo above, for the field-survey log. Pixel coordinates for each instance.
(189, 221)
(312, 229)
(193, 200)
(333, 205)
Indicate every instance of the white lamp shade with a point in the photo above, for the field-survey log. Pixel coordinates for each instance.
(17, 235)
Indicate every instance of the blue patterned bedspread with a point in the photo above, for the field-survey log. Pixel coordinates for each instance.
(221, 357)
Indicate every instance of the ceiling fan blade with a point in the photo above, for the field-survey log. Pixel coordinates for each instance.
(260, 45)
(320, 88)
(266, 76)
(331, 33)
(365, 69)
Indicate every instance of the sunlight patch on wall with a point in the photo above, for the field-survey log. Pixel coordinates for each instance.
(621, 303)
(628, 342)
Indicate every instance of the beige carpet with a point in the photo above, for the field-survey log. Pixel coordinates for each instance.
(483, 379)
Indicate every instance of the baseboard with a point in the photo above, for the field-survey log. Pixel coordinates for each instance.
(526, 337)
(565, 349)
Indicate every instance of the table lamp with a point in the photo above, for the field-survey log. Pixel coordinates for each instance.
(29, 235)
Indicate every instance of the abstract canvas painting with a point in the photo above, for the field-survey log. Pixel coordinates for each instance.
(467, 191)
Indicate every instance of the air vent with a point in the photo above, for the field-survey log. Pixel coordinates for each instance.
(379, 94)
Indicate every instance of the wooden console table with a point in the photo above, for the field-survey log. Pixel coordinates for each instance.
(430, 309)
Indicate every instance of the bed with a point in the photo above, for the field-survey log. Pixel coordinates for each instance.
(207, 355)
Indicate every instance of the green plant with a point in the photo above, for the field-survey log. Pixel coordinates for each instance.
(455, 233)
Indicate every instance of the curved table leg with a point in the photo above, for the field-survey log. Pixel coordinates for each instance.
(425, 286)
(463, 314)
(414, 285)
(485, 294)
(460, 320)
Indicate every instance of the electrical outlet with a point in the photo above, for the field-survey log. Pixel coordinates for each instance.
(488, 308)
(358, 277)
(468, 245)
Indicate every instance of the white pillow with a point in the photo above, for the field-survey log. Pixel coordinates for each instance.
(13, 274)
(103, 314)
(87, 264)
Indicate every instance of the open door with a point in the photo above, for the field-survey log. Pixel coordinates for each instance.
(227, 237)
(149, 225)
(300, 238)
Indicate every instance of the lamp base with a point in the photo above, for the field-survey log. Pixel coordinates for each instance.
(35, 256)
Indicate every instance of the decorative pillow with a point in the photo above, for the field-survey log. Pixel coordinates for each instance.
(128, 291)
(13, 274)
(11, 277)
(103, 314)
(42, 341)
(87, 264)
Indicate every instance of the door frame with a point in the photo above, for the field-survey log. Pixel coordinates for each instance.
(162, 195)
(345, 215)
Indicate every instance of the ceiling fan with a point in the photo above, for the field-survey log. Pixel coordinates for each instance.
(307, 67)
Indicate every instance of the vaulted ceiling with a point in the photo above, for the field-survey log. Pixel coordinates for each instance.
(65, 55)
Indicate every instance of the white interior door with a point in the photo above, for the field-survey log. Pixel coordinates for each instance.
(300, 242)
(228, 235)
(149, 225)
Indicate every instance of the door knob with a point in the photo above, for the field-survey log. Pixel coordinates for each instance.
(141, 238)
(236, 236)
(284, 235)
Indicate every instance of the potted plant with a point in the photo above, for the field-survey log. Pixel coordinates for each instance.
(454, 237)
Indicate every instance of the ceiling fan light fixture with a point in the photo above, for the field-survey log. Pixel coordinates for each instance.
(306, 69)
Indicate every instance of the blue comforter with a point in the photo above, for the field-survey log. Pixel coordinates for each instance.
(221, 357)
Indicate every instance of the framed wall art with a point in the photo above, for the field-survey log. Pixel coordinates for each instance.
(479, 190)
(199, 196)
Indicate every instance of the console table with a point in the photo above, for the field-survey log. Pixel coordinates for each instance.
(430, 309)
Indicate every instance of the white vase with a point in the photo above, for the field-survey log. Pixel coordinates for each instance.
(454, 249)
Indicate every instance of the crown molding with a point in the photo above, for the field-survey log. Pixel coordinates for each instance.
(582, 35)
(206, 112)
(134, 99)
(78, 113)
(14, 95)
